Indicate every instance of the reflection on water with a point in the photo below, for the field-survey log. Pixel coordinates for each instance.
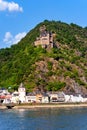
(44, 119)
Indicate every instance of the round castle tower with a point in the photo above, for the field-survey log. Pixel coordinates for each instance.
(22, 93)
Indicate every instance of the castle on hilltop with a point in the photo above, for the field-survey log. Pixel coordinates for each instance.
(45, 39)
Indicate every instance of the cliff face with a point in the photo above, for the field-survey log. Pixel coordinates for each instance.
(63, 67)
(48, 74)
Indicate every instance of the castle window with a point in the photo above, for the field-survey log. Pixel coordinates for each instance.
(44, 39)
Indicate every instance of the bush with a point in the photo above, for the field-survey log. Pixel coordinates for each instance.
(55, 86)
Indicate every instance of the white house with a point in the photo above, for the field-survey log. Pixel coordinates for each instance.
(30, 98)
(72, 98)
(4, 91)
(61, 97)
(15, 97)
(45, 98)
(53, 97)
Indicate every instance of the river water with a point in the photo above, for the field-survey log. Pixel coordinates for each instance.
(44, 119)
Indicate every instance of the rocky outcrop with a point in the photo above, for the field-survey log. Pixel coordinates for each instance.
(43, 77)
(74, 88)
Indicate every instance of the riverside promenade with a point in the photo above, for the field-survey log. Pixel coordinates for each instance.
(52, 105)
(59, 105)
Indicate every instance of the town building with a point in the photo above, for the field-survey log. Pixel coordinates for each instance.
(61, 97)
(15, 97)
(31, 98)
(5, 96)
(53, 97)
(20, 96)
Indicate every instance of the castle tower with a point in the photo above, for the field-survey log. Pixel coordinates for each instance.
(22, 93)
(42, 28)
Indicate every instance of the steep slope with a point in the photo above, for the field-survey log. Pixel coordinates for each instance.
(61, 68)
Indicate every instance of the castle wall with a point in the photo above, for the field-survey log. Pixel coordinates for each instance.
(45, 40)
(37, 43)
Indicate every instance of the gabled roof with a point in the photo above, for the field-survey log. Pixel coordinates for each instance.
(15, 92)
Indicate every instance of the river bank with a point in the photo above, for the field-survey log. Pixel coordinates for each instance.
(52, 105)
(60, 105)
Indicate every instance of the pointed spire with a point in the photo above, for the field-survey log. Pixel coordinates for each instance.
(21, 85)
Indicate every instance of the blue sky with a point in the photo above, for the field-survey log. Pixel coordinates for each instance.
(17, 17)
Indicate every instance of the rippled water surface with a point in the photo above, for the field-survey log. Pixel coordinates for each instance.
(44, 119)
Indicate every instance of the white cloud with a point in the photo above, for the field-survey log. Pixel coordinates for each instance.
(10, 6)
(18, 37)
(10, 39)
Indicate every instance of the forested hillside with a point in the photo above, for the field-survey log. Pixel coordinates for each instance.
(63, 67)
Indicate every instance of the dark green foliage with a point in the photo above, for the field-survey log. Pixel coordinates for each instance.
(50, 65)
(55, 86)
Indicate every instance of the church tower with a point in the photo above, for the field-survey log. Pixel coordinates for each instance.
(22, 93)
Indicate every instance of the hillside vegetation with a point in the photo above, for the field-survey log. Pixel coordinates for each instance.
(61, 68)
